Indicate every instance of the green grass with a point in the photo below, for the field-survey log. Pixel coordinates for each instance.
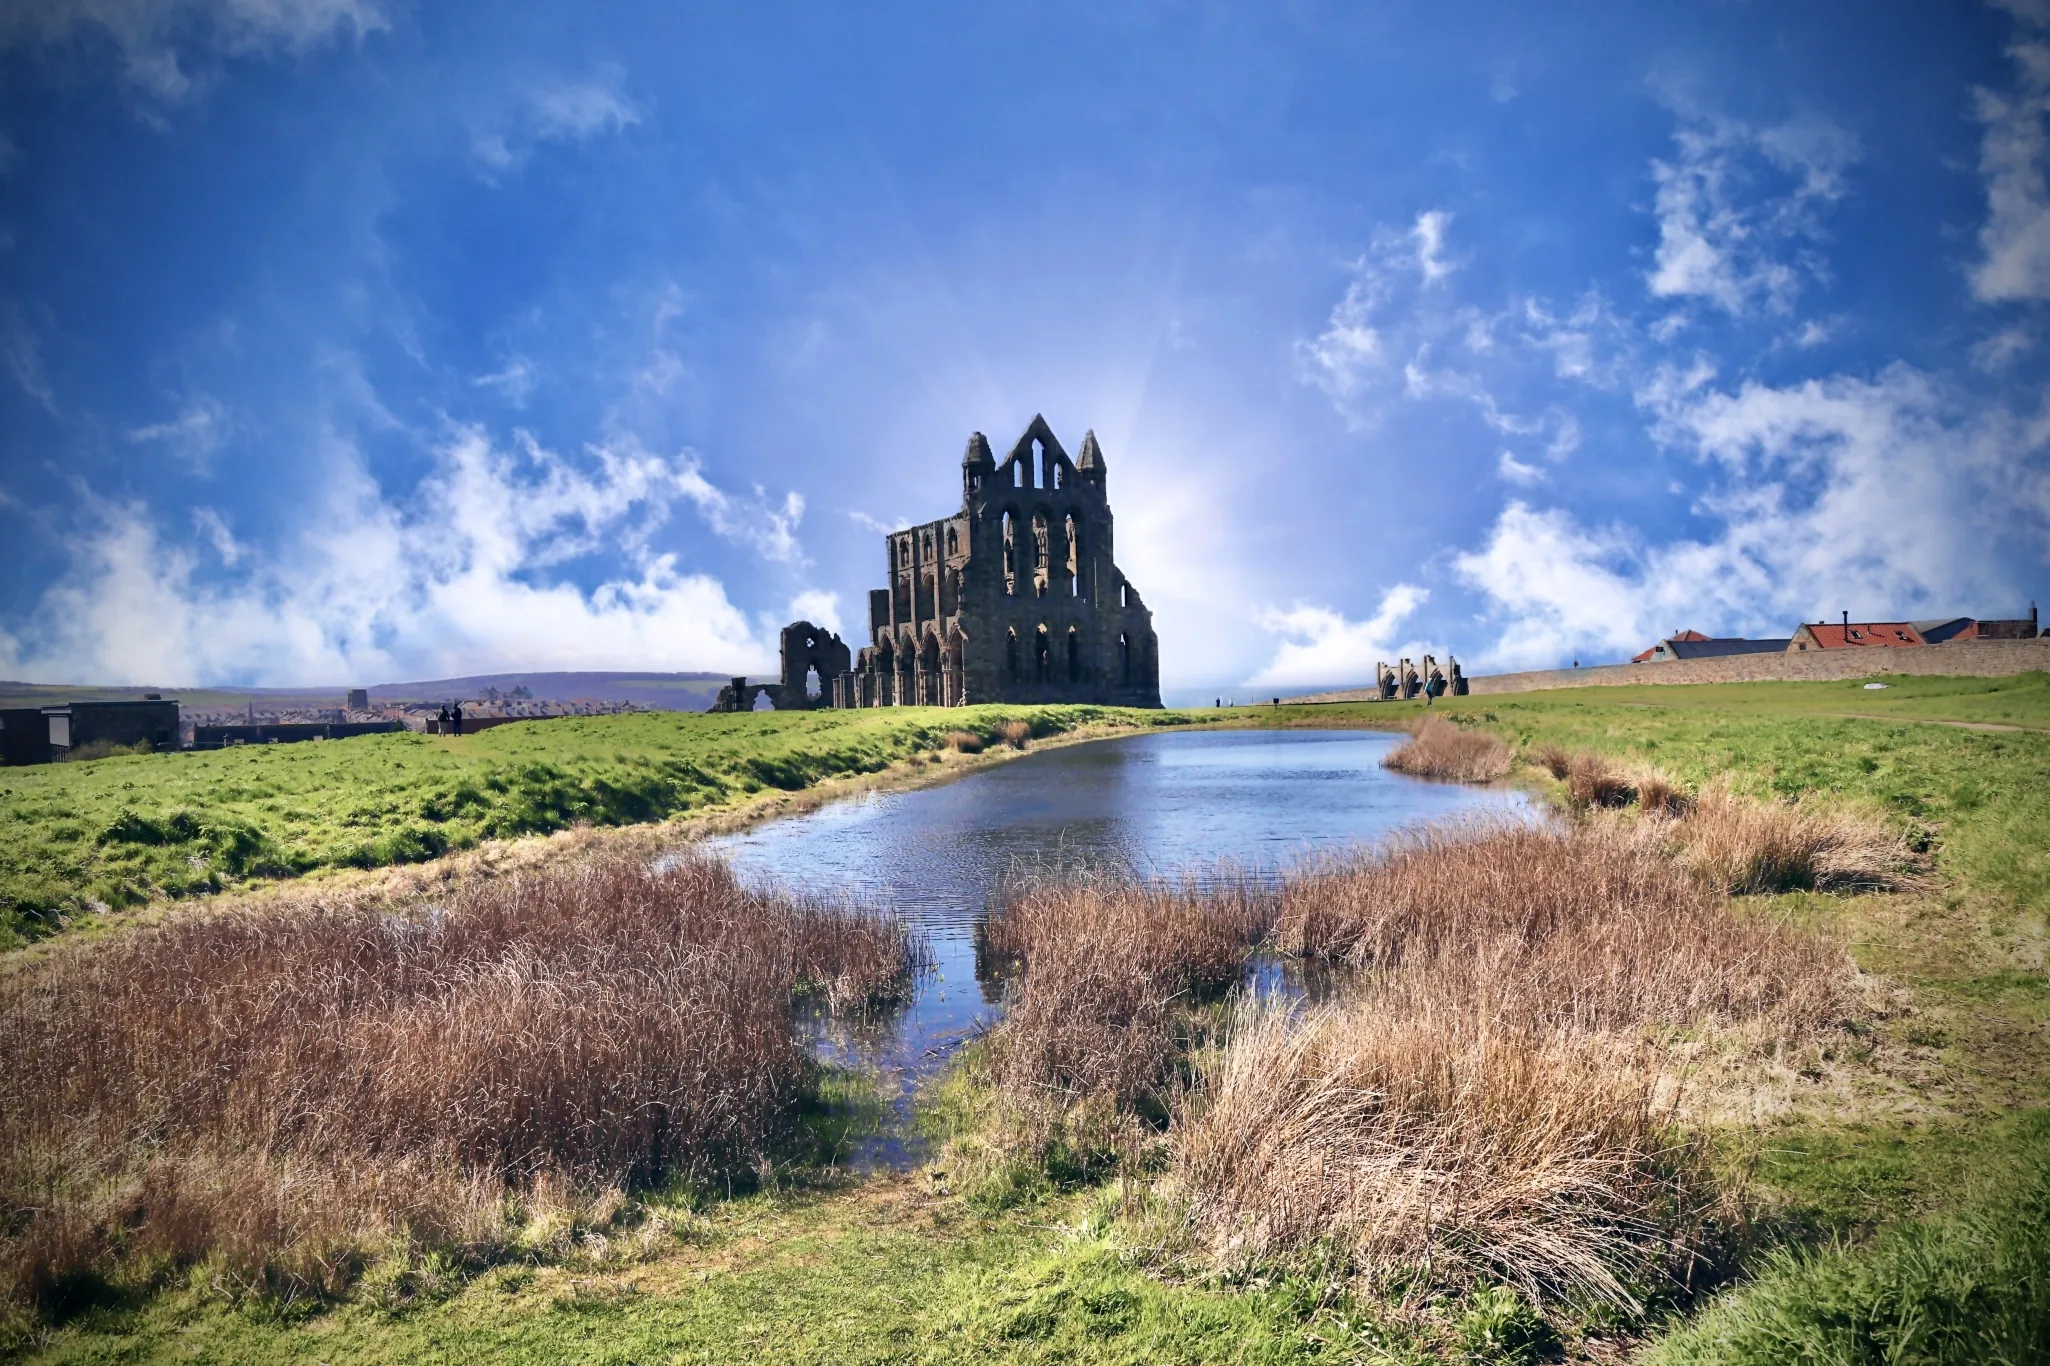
(1969, 1287)
(122, 831)
(1903, 1190)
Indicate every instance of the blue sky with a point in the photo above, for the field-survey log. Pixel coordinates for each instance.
(356, 340)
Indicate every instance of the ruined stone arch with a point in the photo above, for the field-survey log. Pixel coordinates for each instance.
(1011, 655)
(1042, 655)
(1074, 654)
(1042, 532)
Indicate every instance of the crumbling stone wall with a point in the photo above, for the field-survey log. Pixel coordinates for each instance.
(1014, 598)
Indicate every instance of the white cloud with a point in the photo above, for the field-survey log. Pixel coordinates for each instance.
(2014, 158)
(817, 607)
(1994, 353)
(1320, 646)
(159, 40)
(514, 383)
(1514, 471)
(1722, 240)
(22, 350)
(1429, 236)
(214, 527)
(1889, 498)
(453, 578)
(883, 525)
(200, 429)
(558, 112)
(1340, 360)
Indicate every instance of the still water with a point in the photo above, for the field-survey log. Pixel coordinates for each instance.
(1172, 804)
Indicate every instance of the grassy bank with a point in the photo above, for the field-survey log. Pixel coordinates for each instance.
(1885, 1133)
(121, 831)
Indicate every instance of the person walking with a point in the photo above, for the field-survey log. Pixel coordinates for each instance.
(456, 712)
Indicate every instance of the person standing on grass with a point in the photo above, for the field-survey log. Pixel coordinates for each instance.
(457, 712)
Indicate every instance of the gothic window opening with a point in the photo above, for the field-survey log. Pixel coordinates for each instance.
(1124, 595)
(1074, 560)
(1124, 658)
(1010, 555)
(953, 541)
(1074, 655)
(1039, 554)
(1039, 465)
(1058, 480)
(812, 687)
(1011, 655)
(1017, 474)
(1042, 656)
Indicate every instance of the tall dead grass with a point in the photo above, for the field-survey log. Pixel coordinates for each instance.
(1090, 1037)
(283, 1091)
(1428, 1144)
(1439, 749)
(1743, 846)
(1016, 734)
(1487, 1105)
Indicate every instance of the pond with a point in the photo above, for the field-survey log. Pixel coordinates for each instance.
(1171, 804)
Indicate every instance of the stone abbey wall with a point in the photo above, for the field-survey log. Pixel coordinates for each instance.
(1960, 658)
(1014, 598)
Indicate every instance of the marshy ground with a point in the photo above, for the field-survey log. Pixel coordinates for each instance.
(1600, 1084)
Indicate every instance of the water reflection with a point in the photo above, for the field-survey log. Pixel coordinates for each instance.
(1177, 804)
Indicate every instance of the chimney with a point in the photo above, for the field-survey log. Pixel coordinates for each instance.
(1847, 626)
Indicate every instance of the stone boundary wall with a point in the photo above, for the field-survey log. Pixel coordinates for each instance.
(1958, 658)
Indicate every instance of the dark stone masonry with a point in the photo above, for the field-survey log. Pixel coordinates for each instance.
(1015, 598)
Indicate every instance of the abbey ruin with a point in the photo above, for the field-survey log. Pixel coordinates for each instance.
(1014, 598)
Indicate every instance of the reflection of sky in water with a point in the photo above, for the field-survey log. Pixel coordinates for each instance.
(1159, 804)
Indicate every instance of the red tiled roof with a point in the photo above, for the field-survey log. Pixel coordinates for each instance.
(1834, 635)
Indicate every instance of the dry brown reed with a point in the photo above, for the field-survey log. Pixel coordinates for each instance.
(964, 742)
(283, 1091)
(1016, 734)
(1570, 927)
(1414, 1135)
(1592, 782)
(1744, 846)
(1554, 761)
(1439, 749)
(1090, 1033)
(1659, 793)
(1485, 1106)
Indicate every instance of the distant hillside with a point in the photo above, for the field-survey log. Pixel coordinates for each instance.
(663, 691)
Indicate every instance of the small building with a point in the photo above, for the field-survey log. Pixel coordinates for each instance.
(24, 736)
(359, 699)
(1694, 645)
(75, 726)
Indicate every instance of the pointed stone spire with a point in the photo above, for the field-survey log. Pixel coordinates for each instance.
(1091, 456)
(978, 451)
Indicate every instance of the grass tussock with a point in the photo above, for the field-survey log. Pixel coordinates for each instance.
(1016, 734)
(1591, 781)
(1746, 846)
(1576, 928)
(964, 742)
(1430, 1146)
(283, 1093)
(1090, 1040)
(1439, 749)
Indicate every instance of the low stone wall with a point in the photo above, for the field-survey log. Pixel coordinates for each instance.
(1959, 658)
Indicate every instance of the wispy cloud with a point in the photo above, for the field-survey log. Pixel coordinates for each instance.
(559, 112)
(2014, 157)
(21, 349)
(166, 47)
(202, 426)
(1738, 206)
(1319, 645)
(1891, 496)
(464, 573)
